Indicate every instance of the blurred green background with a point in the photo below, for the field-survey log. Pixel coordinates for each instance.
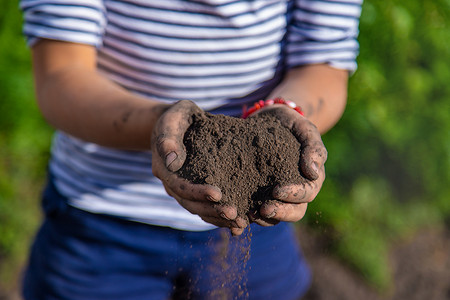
(389, 157)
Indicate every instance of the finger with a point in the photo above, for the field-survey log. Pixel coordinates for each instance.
(207, 208)
(313, 152)
(291, 193)
(234, 228)
(300, 193)
(286, 212)
(182, 187)
(203, 209)
(227, 212)
(238, 222)
(256, 217)
(235, 231)
(242, 222)
(265, 222)
(169, 132)
(172, 150)
(313, 156)
(219, 222)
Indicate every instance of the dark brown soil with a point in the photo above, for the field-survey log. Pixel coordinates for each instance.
(246, 159)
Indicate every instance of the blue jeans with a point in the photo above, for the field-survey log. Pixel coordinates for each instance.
(80, 255)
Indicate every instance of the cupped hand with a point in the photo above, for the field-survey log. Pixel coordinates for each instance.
(290, 202)
(168, 156)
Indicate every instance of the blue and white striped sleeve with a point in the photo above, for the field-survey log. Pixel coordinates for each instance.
(324, 31)
(78, 21)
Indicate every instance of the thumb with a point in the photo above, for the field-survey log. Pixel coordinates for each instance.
(169, 133)
(172, 151)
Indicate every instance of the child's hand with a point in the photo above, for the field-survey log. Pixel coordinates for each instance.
(168, 156)
(291, 201)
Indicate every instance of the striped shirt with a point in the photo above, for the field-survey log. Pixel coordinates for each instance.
(219, 53)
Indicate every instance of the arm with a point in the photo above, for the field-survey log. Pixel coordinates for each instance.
(75, 98)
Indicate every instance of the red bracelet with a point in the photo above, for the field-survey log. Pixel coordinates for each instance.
(260, 104)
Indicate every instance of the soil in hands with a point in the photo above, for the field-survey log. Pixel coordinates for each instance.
(246, 159)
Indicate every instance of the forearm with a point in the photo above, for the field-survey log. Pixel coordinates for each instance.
(320, 90)
(76, 99)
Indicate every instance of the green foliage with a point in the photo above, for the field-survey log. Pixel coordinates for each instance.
(389, 157)
(24, 142)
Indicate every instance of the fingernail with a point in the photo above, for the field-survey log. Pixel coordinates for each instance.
(279, 192)
(282, 194)
(225, 217)
(315, 168)
(170, 158)
(272, 214)
(210, 198)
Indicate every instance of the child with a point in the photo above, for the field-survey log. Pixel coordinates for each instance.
(119, 223)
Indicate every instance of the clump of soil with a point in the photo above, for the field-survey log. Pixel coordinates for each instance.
(245, 158)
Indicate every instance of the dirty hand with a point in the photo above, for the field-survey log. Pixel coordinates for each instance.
(291, 201)
(168, 156)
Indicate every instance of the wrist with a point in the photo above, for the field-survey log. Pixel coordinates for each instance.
(270, 102)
